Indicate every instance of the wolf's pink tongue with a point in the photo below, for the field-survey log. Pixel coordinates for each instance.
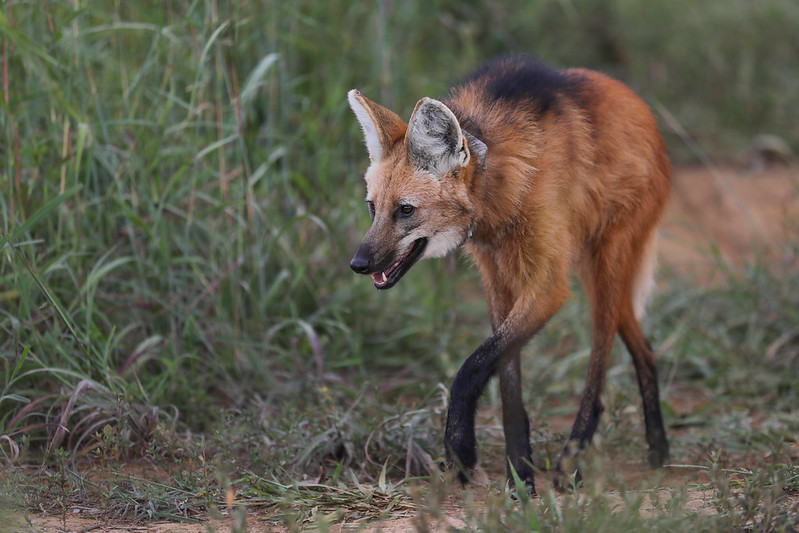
(379, 278)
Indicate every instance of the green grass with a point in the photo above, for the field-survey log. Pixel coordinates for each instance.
(180, 189)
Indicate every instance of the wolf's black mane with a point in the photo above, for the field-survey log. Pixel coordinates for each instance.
(519, 78)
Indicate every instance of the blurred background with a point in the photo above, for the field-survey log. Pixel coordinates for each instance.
(181, 191)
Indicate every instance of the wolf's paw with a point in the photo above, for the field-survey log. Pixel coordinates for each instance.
(658, 454)
(567, 475)
(461, 457)
(526, 475)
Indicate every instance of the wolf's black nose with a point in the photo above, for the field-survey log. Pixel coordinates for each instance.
(360, 265)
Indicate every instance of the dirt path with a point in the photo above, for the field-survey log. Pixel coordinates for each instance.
(741, 214)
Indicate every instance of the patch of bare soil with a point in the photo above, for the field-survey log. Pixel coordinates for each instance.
(729, 217)
(719, 218)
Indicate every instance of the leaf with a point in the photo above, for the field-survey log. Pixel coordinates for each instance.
(381, 482)
(42, 212)
(253, 82)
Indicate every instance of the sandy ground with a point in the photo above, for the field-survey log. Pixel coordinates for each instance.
(742, 215)
(729, 216)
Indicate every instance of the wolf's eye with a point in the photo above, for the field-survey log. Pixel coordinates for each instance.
(406, 210)
(371, 207)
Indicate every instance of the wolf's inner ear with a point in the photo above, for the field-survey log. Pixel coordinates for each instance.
(435, 140)
(382, 128)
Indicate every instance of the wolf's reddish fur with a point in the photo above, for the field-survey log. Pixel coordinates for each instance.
(536, 172)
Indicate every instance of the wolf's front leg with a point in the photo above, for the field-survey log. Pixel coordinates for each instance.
(460, 441)
(500, 352)
(515, 422)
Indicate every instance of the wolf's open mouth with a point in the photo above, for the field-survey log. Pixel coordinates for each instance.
(388, 278)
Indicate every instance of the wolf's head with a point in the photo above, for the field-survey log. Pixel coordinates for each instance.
(416, 186)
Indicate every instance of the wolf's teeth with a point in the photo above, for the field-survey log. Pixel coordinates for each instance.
(383, 274)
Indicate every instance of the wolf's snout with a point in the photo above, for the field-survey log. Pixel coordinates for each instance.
(360, 264)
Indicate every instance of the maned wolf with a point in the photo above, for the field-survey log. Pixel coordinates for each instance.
(535, 171)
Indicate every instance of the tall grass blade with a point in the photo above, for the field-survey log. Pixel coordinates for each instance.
(40, 213)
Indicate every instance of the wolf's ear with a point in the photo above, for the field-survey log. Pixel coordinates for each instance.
(477, 149)
(435, 140)
(382, 128)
